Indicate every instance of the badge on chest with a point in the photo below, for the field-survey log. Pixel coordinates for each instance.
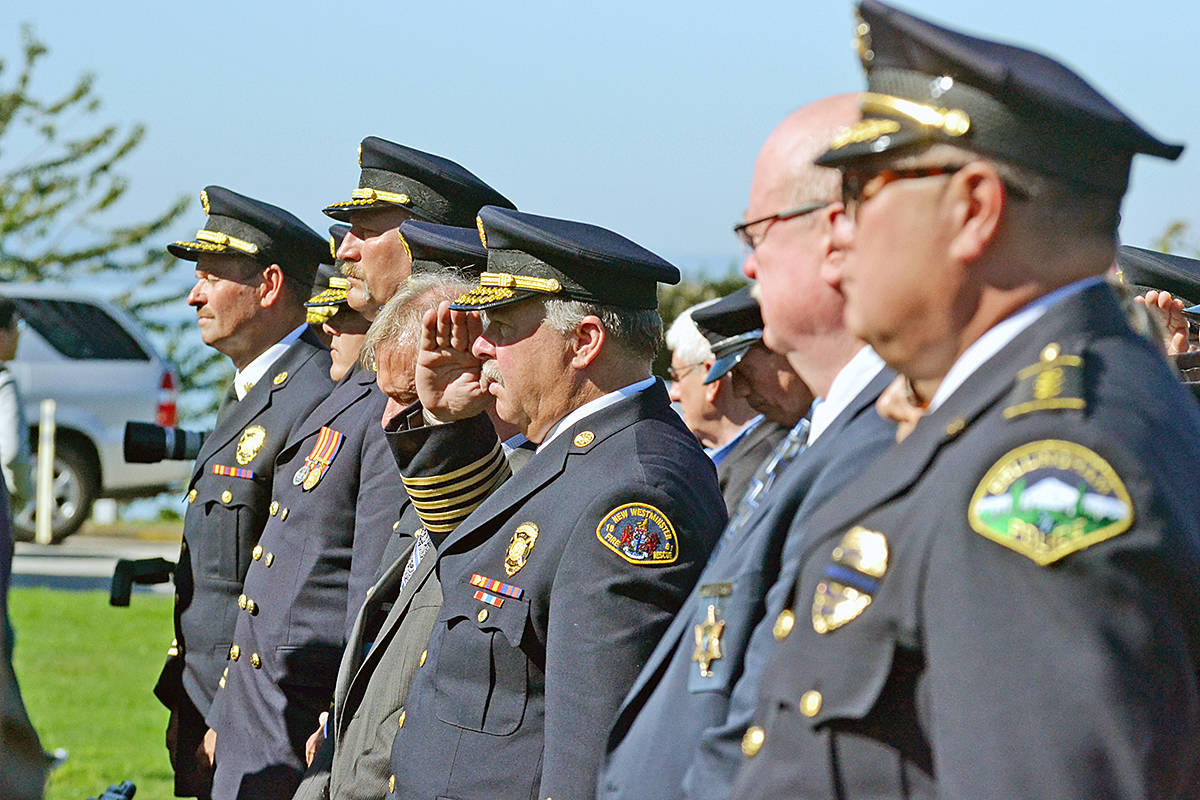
(851, 580)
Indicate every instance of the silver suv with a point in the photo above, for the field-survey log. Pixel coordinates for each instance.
(100, 368)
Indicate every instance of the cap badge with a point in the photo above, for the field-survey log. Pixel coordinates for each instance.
(849, 583)
(1049, 498)
(250, 443)
(519, 547)
(640, 534)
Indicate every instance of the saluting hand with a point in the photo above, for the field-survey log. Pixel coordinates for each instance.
(449, 382)
(1175, 324)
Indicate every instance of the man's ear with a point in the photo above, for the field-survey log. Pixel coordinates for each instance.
(589, 340)
(977, 197)
(271, 287)
(711, 390)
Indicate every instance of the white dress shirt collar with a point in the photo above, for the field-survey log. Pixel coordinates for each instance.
(850, 380)
(999, 335)
(244, 379)
(589, 408)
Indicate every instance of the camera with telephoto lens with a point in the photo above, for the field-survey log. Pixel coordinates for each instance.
(147, 443)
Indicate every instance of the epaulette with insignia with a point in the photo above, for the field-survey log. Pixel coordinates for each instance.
(1054, 383)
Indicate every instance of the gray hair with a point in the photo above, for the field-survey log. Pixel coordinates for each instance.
(398, 323)
(637, 332)
(686, 341)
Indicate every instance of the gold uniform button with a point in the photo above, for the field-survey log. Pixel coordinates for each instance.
(234, 652)
(283, 515)
(424, 655)
(752, 742)
(482, 615)
(810, 703)
(251, 607)
(242, 601)
(274, 507)
(392, 783)
(192, 496)
(400, 721)
(269, 559)
(784, 624)
(255, 661)
(221, 683)
(226, 496)
(396, 525)
(257, 552)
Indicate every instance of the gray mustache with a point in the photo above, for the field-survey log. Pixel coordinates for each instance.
(491, 371)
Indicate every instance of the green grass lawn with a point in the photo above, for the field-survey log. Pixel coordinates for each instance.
(86, 671)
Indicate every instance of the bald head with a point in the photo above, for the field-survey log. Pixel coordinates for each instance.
(785, 166)
(802, 314)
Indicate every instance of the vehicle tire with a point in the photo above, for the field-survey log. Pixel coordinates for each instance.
(74, 489)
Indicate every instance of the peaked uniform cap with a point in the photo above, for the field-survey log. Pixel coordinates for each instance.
(532, 255)
(432, 188)
(929, 84)
(732, 326)
(1150, 269)
(433, 247)
(241, 225)
(328, 292)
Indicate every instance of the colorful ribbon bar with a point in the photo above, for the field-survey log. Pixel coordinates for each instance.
(232, 472)
(506, 589)
(490, 599)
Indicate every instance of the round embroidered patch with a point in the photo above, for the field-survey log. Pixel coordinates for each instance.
(640, 534)
(1048, 499)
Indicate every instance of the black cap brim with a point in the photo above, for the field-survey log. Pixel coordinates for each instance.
(725, 363)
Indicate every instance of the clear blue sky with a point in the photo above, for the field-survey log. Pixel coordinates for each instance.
(643, 117)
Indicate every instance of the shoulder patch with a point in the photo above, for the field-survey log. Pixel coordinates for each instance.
(640, 534)
(1055, 382)
(1049, 498)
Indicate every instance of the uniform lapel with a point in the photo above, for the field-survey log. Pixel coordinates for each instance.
(256, 400)
(896, 470)
(351, 389)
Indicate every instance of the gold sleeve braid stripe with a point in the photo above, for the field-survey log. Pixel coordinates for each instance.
(461, 491)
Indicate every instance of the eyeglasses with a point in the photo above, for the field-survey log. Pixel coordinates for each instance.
(859, 187)
(678, 375)
(750, 242)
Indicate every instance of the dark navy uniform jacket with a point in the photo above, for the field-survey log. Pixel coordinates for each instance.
(1007, 603)
(679, 699)
(738, 466)
(385, 650)
(228, 498)
(555, 590)
(336, 495)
